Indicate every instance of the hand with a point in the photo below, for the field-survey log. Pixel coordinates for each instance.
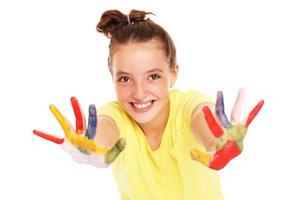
(80, 143)
(230, 135)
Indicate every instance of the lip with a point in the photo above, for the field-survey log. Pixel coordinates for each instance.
(142, 110)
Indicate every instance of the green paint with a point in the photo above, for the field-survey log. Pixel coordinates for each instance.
(82, 150)
(113, 153)
(236, 133)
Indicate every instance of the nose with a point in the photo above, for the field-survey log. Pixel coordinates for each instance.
(139, 91)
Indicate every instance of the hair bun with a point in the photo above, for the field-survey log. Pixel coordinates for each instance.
(138, 15)
(112, 20)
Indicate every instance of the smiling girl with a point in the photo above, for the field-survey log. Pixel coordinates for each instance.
(154, 120)
(160, 125)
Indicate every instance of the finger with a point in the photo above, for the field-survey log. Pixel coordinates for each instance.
(113, 153)
(202, 157)
(220, 110)
(212, 123)
(254, 112)
(237, 108)
(92, 123)
(49, 137)
(79, 115)
(66, 126)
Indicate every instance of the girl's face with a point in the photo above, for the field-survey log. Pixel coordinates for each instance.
(142, 78)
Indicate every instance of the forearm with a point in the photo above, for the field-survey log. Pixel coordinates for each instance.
(200, 129)
(107, 132)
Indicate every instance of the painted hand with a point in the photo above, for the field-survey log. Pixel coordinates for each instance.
(80, 143)
(230, 135)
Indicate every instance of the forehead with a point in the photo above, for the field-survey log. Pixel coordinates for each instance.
(138, 58)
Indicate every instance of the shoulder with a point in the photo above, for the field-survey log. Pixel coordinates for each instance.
(185, 103)
(110, 108)
(189, 96)
(114, 111)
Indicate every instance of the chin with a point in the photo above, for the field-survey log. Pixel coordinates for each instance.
(141, 118)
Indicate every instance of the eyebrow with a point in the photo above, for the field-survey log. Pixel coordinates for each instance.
(151, 70)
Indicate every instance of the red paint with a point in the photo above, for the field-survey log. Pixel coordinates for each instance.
(254, 112)
(212, 123)
(78, 115)
(49, 137)
(223, 156)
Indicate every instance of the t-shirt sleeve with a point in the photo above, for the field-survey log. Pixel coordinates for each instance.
(115, 112)
(191, 100)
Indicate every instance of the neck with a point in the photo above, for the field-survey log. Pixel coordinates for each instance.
(157, 126)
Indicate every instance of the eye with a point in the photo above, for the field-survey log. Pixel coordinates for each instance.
(123, 79)
(154, 76)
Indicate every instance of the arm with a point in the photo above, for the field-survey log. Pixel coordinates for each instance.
(107, 132)
(200, 129)
(108, 136)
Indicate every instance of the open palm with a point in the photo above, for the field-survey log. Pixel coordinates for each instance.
(79, 143)
(230, 134)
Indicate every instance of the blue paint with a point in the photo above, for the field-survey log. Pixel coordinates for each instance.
(92, 122)
(220, 110)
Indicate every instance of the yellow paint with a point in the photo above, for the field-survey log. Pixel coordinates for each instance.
(77, 139)
(81, 141)
(61, 120)
(202, 157)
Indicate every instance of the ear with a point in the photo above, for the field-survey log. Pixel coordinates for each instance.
(174, 74)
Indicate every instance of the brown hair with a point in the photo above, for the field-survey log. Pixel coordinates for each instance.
(122, 29)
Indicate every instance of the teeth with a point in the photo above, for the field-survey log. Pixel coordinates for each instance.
(142, 105)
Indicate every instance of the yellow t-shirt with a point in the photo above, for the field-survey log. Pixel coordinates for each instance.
(168, 172)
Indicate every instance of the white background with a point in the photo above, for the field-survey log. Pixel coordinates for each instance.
(50, 51)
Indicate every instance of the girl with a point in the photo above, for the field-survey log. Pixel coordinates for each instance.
(166, 130)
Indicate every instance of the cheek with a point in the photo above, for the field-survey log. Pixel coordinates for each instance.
(122, 93)
(164, 84)
(160, 89)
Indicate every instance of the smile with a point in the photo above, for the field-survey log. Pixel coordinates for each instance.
(142, 107)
